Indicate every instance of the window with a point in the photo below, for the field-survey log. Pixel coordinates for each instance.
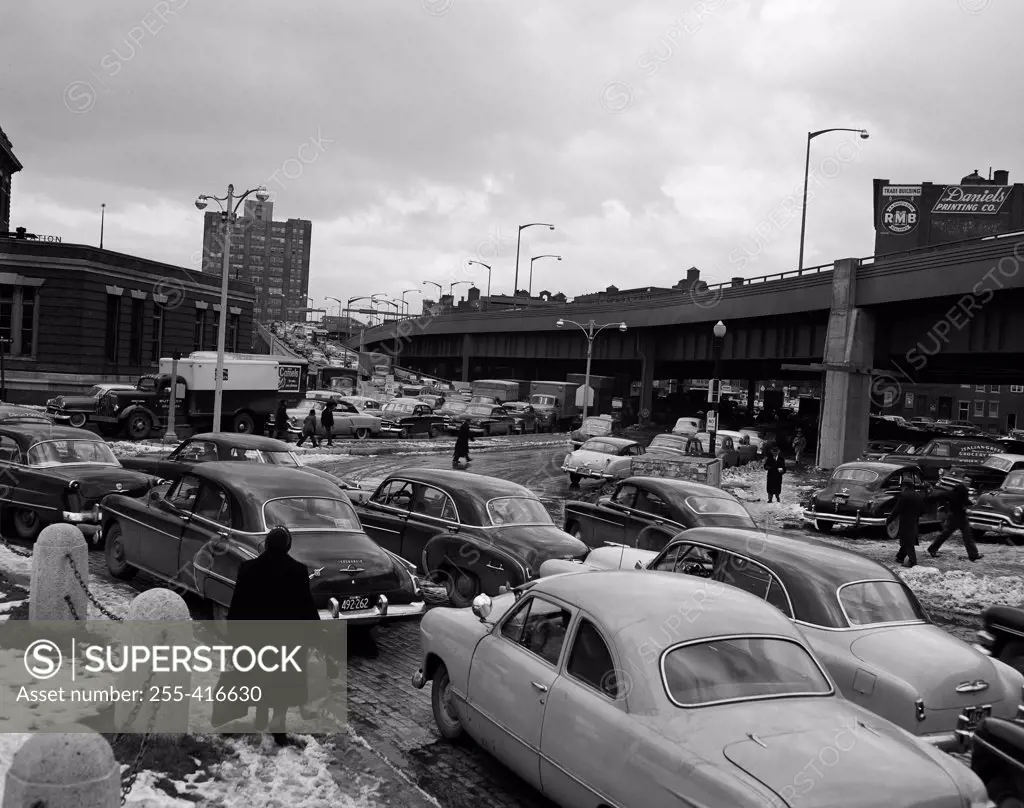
(993, 409)
(215, 332)
(539, 626)
(28, 322)
(651, 503)
(436, 503)
(213, 504)
(231, 339)
(113, 326)
(157, 344)
(855, 475)
(10, 452)
(688, 559)
(625, 496)
(137, 332)
(966, 385)
(318, 514)
(713, 506)
(195, 451)
(395, 494)
(979, 409)
(518, 511)
(964, 410)
(908, 401)
(200, 328)
(739, 572)
(994, 388)
(591, 662)
(183, 495)
(1017, 388)
(940, 450)
(7, 316)
(869, 603)
(979, 388)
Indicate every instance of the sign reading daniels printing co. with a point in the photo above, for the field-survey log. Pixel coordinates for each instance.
(983, 199)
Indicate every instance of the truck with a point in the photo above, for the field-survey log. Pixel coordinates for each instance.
(555, 404)
(941, 454)
(604, 391)
(253, 386)
(498, 391)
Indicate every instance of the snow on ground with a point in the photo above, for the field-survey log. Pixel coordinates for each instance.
(14, 565)
(130, 448)
(964, 591)
(747, 484)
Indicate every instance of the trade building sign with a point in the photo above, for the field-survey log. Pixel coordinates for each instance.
(899, 217)
(902, 191)
(987, 200)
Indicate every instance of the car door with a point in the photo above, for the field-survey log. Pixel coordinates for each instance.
(613, 516)
(157, 545)
(511, 674)
(648, 509)
(432, 512)
(384, 515)
(211, 519)
(343, 412)
(503, 421)
(687, 559)
(182, 459)
(12, 471)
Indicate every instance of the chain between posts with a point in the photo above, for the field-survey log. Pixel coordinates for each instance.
(85, 588)
(19, 551)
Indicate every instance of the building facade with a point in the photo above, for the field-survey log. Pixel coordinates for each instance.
(73, 315)
(9, 166)
(995, 408)
(272, 256)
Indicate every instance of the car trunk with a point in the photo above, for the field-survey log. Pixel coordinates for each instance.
(535, 544)
(371, 570)
(97, 481)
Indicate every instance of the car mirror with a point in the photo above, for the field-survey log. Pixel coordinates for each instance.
(155, 496)
(482, 607)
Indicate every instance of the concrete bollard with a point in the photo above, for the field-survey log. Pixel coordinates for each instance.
(52, 577)
(170, 696)
(72, 770)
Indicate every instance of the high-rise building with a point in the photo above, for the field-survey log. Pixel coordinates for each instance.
(273, 256)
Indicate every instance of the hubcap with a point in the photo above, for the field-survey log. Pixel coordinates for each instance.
(27, 518)
(446, 700)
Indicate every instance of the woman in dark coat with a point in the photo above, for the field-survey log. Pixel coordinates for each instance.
(327, 421)
(462, 444)
(775, 465)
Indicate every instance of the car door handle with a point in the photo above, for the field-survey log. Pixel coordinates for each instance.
(491, 566)
(540, 687)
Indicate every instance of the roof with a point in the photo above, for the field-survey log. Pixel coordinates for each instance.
(669, 487)
(44, 430)
(1010, 458)
(877, 466)
(620, 442)
(464, 482)
(260, 482)
(234, 439)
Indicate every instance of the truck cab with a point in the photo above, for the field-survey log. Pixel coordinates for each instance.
(941, 454)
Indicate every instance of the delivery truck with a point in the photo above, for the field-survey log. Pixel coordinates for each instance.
(253, 386)
(498, 391)
(555, 404)
(604, 392)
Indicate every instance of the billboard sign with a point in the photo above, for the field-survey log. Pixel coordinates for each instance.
(902, 191)
(986, 200)
(289, 378)
(899, 217)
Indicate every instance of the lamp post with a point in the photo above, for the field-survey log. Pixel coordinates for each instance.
(529, 290)
(440, 289)
(228, 210)
(807, 171)
(719, 332)
(103, 220)
(590, 331)
(485, 266)
(519, 239)
(336, 301)
(348, 311)
(451, 287)
(380, 297)
(405, 305)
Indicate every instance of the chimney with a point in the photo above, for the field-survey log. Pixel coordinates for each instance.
(473, 295)
(692, 275)
(737, 282)
(1001, 177)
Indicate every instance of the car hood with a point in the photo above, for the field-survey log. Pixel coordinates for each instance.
(619, 558)
(938, 664)
(354, 493)
(373, 570)
(593, 459)
(97, 481)
(538, 543)
(999, 497)
(74, 402)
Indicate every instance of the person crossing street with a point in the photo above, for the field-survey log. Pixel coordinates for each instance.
(462, 444)
(908, 510)
(959, 502)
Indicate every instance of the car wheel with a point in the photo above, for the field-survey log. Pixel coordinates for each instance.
(575, 531)
(574, 479)
(823, 527)
(362, 433)
(27, 524)
(433, 432)
(138, 426)
(403, 433)
(243, 424)
(892, 527)
(117, 562)
(1013, 655)
(447, 721)
(461, 587)
(78, 419)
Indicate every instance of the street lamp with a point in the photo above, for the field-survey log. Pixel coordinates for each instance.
(336, 301)
(719, 333)
(228, 210)
(440, 289)
(485, 266)
(380, 297)
(452, 285)
(405, 305)
(807, 170)
(537, 258)
(590, 330)
(348, 311)
(519, 239)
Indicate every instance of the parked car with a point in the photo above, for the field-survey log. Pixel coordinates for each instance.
(672, 445)
(75, 410)
(469, 532)
(757, 438)
(879, 448)
(595, 426)
(230, 446)
(452, 412)
(601, 459)
(1002, 635)
(1000, 511)
(524, 417)
(406, 417)
(997, 757)
(746, 451)
(860, 618)
(348, 421)
(54, 474)
(488, 419)
(864, 493)
(365, 405)
(725, 449)
(688, 426)
(647, 512)
(941, 454)
(983, 478)
(432, 401)
(196, 532)
(594, 690)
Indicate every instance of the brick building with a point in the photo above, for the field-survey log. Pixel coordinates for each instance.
(9, 166)
(995, 408)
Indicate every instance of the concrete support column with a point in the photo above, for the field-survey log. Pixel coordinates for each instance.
(646, 347)
(849, 352)
(467, 351)
(751, 394)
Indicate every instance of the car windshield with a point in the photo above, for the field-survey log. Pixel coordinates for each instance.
(479, 409)
(998, 464)
(279, 458)
(740, 669)
(398, 408)
(596, 426)
(855, 475)
(668, 442)
(714, 506)
(96, 391)
(599, 446)
(542, 401)
(70, 452)
(517, 511)
(516, 406)
(456, 406)
(870, 603)
(310, 513)
(1014, 482)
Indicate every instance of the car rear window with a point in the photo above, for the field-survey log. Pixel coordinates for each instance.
(599, 446)
(998, 464)
(310, 513)
(1014, 482)
(871, 603)
(856, 475)
(714, 506)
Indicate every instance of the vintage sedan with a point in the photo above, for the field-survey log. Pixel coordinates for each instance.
(209, 447)
(524, 417)
(488, 419)
(647, 512)
(941, 454)
(595, 426)
(984, 478)
(55, 474)
(452, 413)
(671, 445)
(595, 690)
(688, 426)
(1001, 511)
(468, 532)
(75, 410)
(746, 451)
(406, 417)
(1002, 635)
(864, 493)
(725, 448)
(602, 459)
(348, 421)
(195, 534)
(364, 404)
(862, 621)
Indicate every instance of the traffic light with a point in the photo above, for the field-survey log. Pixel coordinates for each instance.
(714, 391)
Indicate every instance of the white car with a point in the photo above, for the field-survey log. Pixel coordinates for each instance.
(688, 426)
(602, 459)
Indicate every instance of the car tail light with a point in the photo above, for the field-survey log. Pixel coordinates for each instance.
(74, 496)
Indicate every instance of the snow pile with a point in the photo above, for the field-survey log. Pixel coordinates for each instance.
(128, 448)
(965, 592)
(14, 565)
(750, 473)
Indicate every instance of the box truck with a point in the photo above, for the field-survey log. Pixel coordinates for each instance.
(555, 404)
(604, 391)
(498, 391)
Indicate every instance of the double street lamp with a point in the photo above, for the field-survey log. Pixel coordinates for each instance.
(336, 301)
(440, 289)
(537, 258)
(715, 387)
(405, 305)
(229, 209)
(488, 268)
(590, 331)
(519, 239)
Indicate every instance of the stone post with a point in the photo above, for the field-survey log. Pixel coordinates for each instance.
(52, 577)
(76, 769)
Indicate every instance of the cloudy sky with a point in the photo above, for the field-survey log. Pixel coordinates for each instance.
(419, 134)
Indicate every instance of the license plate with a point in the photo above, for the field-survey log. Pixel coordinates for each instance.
(839, 499)
(354, 604)
(974, 715)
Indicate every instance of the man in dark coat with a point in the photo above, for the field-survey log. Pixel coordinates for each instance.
(327, 421)
(281, 420)
(462, 444)
(775, 465)
(275, 586)
(959, 502)
(908, 510)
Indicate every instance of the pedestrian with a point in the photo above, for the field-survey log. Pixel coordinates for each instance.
(309, 429)
(440, 402)
(775, 465)
(959, 502)
(462, 444)
(281, 420)
(799, 445)
(275, 571)
(908, 510)
(327, 421)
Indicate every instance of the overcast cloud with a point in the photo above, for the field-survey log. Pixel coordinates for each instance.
(416, 135)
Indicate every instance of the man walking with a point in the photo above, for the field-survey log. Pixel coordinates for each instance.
(959, 502)
(775, 465)
(281, 420)
(908, 511)
(462, 445)
(799, 446)
(327, 421)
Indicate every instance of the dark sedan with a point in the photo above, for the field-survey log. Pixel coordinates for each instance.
(231, 446)
(471, 533)
(1000, 511)
(646, 512)
(984, 478)
(524, 417)
(1003, 635)
(197, 532)
(488, 419)
(75, 410)
(864, 493)
(59, 474)
(406, 417)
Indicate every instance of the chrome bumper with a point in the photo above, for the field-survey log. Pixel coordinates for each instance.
(388, 429)
(589, 473)
(845, 519)
(1002, 528)
(82, 517)
(375, 614)
(419, 679)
